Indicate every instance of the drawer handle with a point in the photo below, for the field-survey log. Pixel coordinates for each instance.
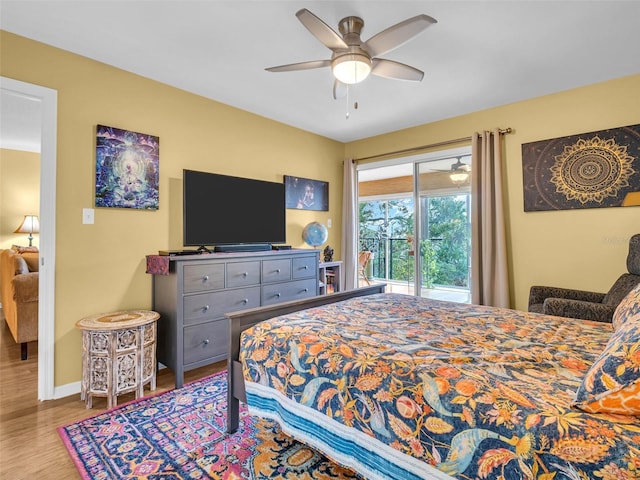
(305, 290)
(205, 342)
(205, 278)
(245, 301)
(277, 295)
(277, 270)
(306, 267)
(205, 308)
(245, 274)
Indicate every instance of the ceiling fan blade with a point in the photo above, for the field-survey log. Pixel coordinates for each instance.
(397, 35)
(300, 66)
(395, 70)
(323, 32)
(339, 89)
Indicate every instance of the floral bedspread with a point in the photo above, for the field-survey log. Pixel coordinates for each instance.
(473, 392)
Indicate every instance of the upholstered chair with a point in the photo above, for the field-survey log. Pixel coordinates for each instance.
(364, 257)
(565, 302)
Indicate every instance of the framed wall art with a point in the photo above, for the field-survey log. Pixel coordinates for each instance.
(306, 194)
(587, 170)
(127, 169)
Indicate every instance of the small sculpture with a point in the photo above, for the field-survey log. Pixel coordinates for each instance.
(328, 254)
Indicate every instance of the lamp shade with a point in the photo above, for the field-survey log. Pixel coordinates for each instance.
(351, 68)
(458, 177)
(30, 224)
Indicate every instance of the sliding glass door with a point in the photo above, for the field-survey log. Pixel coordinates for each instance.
(414, 224)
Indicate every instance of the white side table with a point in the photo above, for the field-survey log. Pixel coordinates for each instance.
(118, 354)
(330, 277)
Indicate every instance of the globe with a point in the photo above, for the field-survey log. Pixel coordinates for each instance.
(315, 234)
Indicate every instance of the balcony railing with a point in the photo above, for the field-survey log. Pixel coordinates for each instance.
(392, 260)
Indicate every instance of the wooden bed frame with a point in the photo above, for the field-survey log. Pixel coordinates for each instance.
(239, 321)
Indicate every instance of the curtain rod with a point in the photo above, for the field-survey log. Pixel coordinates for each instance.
(502, 131)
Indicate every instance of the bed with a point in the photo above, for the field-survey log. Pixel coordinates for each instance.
(397, 386)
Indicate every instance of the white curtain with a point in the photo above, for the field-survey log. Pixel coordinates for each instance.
(489, 271)
(350, 220)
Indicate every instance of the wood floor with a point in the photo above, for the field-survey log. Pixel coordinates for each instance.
(30, 447)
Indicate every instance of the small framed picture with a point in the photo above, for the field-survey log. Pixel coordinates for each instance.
(306, 194)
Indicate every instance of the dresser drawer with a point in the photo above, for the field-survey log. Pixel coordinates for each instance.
(241, 274)
(287, 291)
(304, 267)
(276, 270)
(205, 340)
(214, 305)
(199, 278)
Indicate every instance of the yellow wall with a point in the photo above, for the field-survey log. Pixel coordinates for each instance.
(19, 194)
(583, 249)
(100, 267)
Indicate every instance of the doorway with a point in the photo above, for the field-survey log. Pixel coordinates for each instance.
(47, 99)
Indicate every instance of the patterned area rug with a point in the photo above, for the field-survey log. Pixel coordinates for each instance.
(181, 434)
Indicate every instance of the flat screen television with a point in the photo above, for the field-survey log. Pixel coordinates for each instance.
(240, 213)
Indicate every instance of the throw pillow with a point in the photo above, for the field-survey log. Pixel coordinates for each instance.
(32, 259)
(612, 384)
(627, 309)
(20, 264)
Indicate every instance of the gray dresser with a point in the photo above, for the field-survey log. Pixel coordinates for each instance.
(193, 298)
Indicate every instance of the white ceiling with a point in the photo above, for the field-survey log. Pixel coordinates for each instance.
(20, 122)
(479, 55)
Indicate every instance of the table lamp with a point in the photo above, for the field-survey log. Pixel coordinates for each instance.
(29, 225)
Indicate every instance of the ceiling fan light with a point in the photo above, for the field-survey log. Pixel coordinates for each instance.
(459, 177)
(351, 68)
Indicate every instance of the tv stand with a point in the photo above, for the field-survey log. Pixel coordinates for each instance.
(243, 247)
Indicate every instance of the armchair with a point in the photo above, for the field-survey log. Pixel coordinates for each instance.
(565, 302)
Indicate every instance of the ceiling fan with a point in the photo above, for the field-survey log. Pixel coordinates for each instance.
(459, 171)
(352, 59)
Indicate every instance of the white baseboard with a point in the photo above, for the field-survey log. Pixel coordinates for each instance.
(67, 390)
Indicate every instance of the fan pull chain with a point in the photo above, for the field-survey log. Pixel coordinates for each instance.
(347, 105)
(355, 105)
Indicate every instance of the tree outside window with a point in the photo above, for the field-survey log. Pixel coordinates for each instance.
(386, 228)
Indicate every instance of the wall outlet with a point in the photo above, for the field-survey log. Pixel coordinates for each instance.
(329, 223)
(87, 216)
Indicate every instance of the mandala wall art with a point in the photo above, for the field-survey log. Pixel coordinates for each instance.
(588, 170)
(127, 169)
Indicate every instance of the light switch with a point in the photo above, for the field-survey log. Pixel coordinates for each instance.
(329, 223)
(87, 216)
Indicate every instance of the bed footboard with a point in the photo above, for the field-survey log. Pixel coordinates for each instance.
(239, 321)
